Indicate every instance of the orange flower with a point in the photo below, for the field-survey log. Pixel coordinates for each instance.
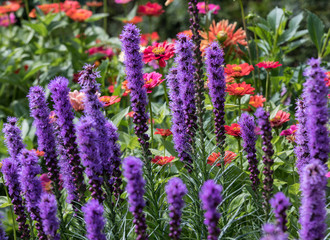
(150, 9)
(124, 85)
(94, 4)
(216, 157)
(233, 130)
(134, 20)
(280, 118)
(79, 15)
(149, 37)
(268, 64)
(38, 153)
(10, 7)
(109, 100)
(162, 160)
(225, 34)
(327, 79)
(187, 33)
(239, 89)
(164, 132)
(257, 101)
(130, 114)
(238, 71)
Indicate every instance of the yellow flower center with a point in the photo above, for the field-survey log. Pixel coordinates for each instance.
(239, 89)
(222, 36)
(158, 51)
(237, 69)
(149, 81)
(235, 128)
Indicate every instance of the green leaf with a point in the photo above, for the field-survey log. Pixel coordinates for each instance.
(38, 27)
(275, 17)
(97, 17)
(6, 204)
(316, 30)
(34, 69)
(119, 116)
(273, 113)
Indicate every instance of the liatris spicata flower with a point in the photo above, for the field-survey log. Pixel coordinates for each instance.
(185, 70)
(31, 187)
(107, 133)
(87, 140)
(316, 93)
(72, 172)
(210, 195)
(272, 232)
(130, 38)
(217, 85)
(280, 204)
(313, 202)
(249, 137)
(10, 172)
(48, 209)
(132, 167)
(266, 135)
(180, 136)
(94, 219)
(13, 138)
(2, 231)
(45, 132)
(301, 149)
(175, 190)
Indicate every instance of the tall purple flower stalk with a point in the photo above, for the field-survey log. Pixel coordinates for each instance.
(301, 149)
(132, 167)
(90, 157)
(10, 172)
(266, 135)
(272, 232)
(180, 136)
(2, 231)
(72, 172)
(280, 204)
(210, 195)
(48, 209)
(94, 219)
(31, 187)
(13, 137)
(109, 150)
(316, 94)
(313, 202)
(130, 38)
(249, 137)
(175, 190)
(217, 86)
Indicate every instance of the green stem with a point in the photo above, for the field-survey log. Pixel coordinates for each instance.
(11, 208)
(151, 122)
(324, 45)
(105, 10)
(26, 4)
(164, 146)
(267, 86)
(161, 71)
(239, 108)
(240, 152)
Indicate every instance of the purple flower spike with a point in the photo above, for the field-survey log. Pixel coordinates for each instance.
(249, 137)
(31, 187)
(266, 135)
(87, 140)
(316, 94)
(217, 85)
(72, 172)
(2, 231)
(175, 190)
(210, 195)
(313, 202)
(94, 219)
(10, 172)
(48, 210)
(132, 167)
(130, 38)
(13, 138)
(272, 232)
(280, 204)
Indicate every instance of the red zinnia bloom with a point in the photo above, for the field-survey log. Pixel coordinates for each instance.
(327, 79)
(162, 160)
(238, 71)
(109, 100)
(152, 80)
(159, 51)
(149, 37)
(233, 130)
(150, 9)
(257, 101)
(280, 118)
(79, 15)
(94, 4)
(38, 153)
(239, 89)
(268, 64)
(10, 7)
(134, 20)
(216, 157)
(164, 132)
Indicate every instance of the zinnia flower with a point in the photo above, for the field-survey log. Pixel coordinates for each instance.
(327, 79)
(7, 19)
(46, 183)
(150, 9)
(134, 20)
(109, 100)
(163, 132)
(79, 15)
(107, 52)
(257, 101)
(202, 7)
(159, 51)
(122, 1)
(94, 4)
(162, 160)
(290, 131)
(152, 80)
(216, 158)
(10, 7)
(76, 100)
(238, 71)
(233, 130)
(38, 153)
(186, 32)
(239, 89)
(280, 118)
(268, 65)
(149, 37)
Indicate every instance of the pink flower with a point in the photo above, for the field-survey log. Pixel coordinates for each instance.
(6, 20)
(122, 1)
(106, 51)
(76, 100)
(268, 64)
(280, 118)
(288, 132)
(210, 7)
(152, 80)
(327, 175)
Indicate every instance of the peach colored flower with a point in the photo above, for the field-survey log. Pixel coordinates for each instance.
(257, 101)
(280, 118)
(76, 100)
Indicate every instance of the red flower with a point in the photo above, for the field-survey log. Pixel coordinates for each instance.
(268, 64)
(149, 37)
(159, 51)
(233, 130)
(10, 7)
(280, 118)
(162, 160)
(327, 79)
(134, 20)
(109, 100)
(94, 4)
(257, 101)
(130, 114)
(238, 71)
(239, 89)
(164, 132)
(152, 80)
(79, 15)
(150, 9)
(216, 157)
(38, 153)
(202, 8)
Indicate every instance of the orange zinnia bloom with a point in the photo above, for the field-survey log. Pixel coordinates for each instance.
(257, 101)
(216, 157)
(94, 4)
(233, 130)
(238, 71)
(134, 20)
(239, 89)
(11, 7)
(162, 160)
(109, 100)
(280, 118)
(38, 153)
(164, 132)
(79, 15)
(224, 33)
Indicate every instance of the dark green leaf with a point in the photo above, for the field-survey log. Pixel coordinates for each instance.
(316, 29)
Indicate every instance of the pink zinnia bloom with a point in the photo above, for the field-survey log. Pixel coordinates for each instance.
(327, 175)
(106, 51)
(152, 80)
(122, 1)
(268, 64)
(291, 131)
(159, 51)
(201, 6)
(280, 118)
(109, 100)
(6, 20)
